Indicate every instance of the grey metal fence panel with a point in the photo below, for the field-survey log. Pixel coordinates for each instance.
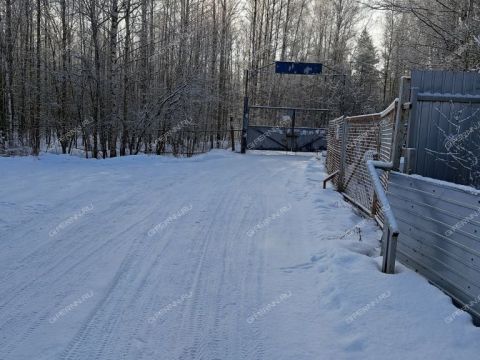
(309, 139)
(439, 234)
(266, 138)
(444, 127)
(280, 138)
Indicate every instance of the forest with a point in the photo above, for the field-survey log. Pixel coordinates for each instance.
(120, 77)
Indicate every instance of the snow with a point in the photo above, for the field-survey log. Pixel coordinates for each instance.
(446, 184)
(209, 282)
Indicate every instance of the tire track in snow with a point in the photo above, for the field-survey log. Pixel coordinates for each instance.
(111, 320)
(211, 331)
(198, 251)
(15, 320)
(194, 314)
(111, 308)
(148, 302)
(102, 320)
(225, 274)
(92, 251)
(62, 249)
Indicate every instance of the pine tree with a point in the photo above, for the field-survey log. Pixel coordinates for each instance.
(366, 75)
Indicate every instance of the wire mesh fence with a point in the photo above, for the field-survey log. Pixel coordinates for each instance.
(361, 137)
(385, 153)
(334, 145)
(352, 140)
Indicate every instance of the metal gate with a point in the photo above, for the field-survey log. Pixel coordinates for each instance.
(292, 138)
(285, 134)
(283, 138)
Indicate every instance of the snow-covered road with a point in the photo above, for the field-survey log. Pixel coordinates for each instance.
(221, 256)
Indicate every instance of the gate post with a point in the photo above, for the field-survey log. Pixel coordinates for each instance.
(245, 116)
(232, 133)
(293, 147)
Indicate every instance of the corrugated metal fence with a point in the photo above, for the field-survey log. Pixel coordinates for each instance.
(439, 235)
(444, 127)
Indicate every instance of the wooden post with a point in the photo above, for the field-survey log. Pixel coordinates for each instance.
(232, 133)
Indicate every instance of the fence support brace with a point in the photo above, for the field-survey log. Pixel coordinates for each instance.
(390, 228)
(329, 177)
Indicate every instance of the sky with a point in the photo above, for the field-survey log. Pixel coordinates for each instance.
(374, 23)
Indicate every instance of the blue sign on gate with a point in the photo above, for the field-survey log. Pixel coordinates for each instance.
(297, 68)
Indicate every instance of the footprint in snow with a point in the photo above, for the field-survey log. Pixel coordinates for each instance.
(308, 265)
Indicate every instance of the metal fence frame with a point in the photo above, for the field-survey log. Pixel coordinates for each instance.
(362, 138)
(350, 140)
(335, 141)
(354, 139)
